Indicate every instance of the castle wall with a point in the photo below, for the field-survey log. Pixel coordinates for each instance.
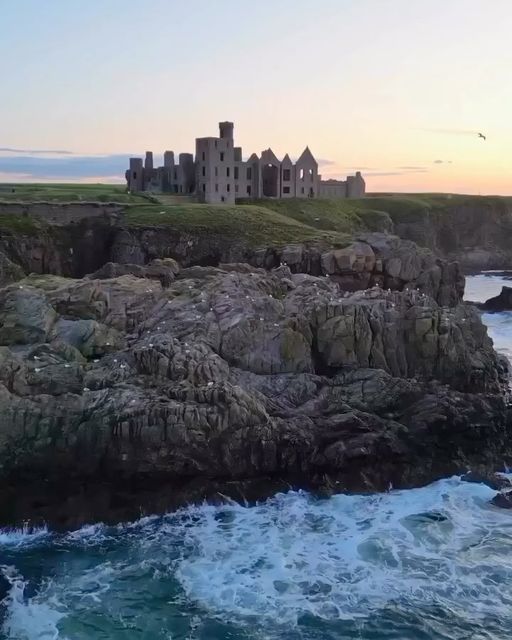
(288, 180)
(136, 175)
(306, 178)
(356, 186)
(332, 189)
(215, 168)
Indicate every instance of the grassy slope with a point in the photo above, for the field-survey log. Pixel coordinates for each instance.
(68, 193)
(252, 224)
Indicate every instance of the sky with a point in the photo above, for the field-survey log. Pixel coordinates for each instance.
(395, 88)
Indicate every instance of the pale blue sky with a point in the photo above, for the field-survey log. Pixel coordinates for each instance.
(363, 82)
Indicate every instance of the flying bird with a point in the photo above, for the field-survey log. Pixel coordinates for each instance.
(481, 135)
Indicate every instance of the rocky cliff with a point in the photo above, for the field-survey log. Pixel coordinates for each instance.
(143, 365)
(232, 374)
(475, 231)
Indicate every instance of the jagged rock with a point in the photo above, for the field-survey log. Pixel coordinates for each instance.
(495, 481)
(501, 302)
(239, 373)
(164, 270)
(9, 271)
(503, 500)
(26, 316)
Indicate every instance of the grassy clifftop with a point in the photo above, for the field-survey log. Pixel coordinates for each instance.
(68, 193)
(251, 224)
(429, 219)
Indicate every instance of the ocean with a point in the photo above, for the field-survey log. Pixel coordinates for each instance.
(433, 563)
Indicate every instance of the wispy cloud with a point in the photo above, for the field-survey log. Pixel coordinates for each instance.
(37, 152)
(399, 171)
(452, 132)
(349, 169)
(442, 162)
(325, 163)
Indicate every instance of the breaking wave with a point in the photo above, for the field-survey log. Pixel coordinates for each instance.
(426, 563)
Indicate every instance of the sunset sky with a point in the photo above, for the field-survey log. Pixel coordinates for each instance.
(395, 88)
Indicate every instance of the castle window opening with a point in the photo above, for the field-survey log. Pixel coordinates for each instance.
(302, 190)
(134, 175)
(248, 189)
(236, 173)
(204, 172)
(204, 187)
(311, 174)
(216, 172)
(302, 177)
(175, 174)
(286, 189)
(249, 173)
(204, 156)
(222, 156)
(286, 175)
(222, 198)
(227, 172)
(229, 188)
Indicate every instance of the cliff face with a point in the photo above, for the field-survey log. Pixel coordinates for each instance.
(474, 231)
(344, 366)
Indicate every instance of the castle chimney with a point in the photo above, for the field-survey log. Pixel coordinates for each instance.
(148, 163)
(226, 130)
(169, 159)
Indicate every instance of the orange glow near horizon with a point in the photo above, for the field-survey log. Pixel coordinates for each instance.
(397, 89)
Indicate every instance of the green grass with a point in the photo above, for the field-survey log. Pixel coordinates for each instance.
(251, 224)
(69, 193)
(396, 203)
(328, 215)
(277, 222)
(24, 225)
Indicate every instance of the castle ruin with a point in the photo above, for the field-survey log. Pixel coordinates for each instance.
(219, 174)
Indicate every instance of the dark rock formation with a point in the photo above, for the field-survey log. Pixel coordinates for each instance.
(236, 374)
(496, 481)
(503, 500)
(501, 302)
(373, 258)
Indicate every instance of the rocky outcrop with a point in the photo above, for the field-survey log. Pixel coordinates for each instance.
(105, 246)
(235, 373)
(501, 302)
(9, 271)
(164, 270)
(373, 258)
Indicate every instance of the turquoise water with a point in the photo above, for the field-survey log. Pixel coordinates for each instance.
(427, 564)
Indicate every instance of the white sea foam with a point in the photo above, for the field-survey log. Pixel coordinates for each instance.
(349, 555)
(29, 618)
(267, 566)
(22, 536)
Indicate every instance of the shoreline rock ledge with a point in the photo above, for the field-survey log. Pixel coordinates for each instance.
(137, 389)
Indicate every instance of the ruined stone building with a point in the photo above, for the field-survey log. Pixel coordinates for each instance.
(220, 174)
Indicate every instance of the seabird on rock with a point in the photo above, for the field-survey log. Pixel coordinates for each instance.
(481, 135)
